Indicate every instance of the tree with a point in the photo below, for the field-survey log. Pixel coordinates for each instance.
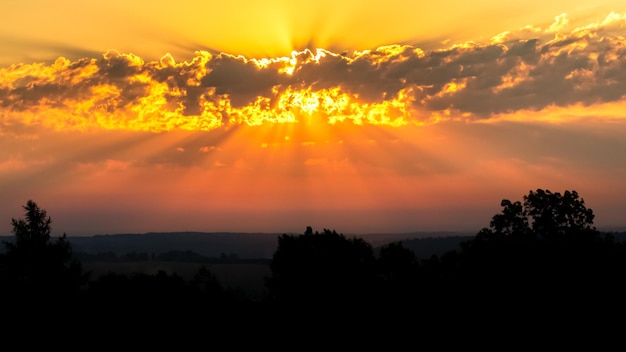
(398, 270)
(541, 251)
(542, 215)
(555, 215)
(397, 264)
(34, 264)
(321, 270)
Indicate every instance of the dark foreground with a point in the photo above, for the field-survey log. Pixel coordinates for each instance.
(539, 270)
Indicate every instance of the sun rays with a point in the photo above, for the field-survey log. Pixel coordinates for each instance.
(368, 133)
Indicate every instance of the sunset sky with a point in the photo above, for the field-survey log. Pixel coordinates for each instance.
(359, 116)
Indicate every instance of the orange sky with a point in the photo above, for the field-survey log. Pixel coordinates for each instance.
(273, 116)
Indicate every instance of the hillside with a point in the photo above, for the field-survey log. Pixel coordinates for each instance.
(243, 245)
(250, 245)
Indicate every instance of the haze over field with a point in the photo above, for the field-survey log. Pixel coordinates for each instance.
(359, 116)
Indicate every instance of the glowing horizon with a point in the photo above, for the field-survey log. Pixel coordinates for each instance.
(393, 137)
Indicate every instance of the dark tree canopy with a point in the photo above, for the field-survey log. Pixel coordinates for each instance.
(321, 269)
(34, 263)
(556, 215)
(34, 230)
(397, 263)
(542, 214)
(541, 254)
(545, 243)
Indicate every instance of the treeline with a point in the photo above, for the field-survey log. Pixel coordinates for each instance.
(539, 257)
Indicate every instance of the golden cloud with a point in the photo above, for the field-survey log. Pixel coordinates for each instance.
(392, 85)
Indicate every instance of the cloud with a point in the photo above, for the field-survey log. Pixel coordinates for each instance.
(560, 22)
(389, 85)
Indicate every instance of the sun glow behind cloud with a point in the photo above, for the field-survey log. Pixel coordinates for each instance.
(399, 130)
(390, 85)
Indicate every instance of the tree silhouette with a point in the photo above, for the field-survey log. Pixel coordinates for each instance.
(399, 285)
(555, 215)
(321, 271)
(541, 253)
(34, 264)
(397, 266)
(542, 215)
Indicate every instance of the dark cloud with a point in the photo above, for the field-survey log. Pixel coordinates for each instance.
(114, 65)
(525, 50)
(242, 80)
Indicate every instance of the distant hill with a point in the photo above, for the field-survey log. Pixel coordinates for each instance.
(425, 248)
(252, 245)
(243, 245)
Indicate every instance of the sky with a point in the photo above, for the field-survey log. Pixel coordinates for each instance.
(359, 116)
